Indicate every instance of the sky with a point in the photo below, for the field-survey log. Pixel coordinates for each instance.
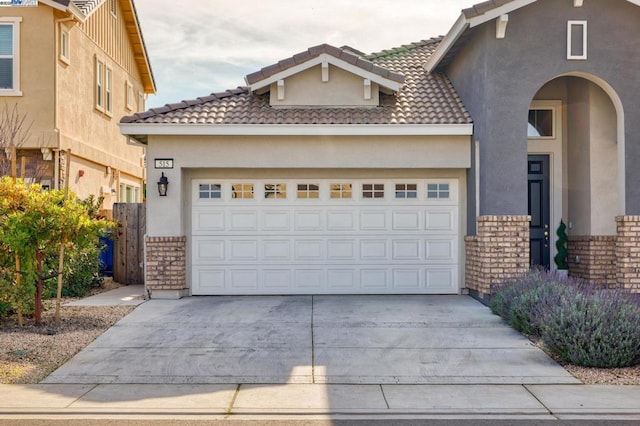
(198, 47)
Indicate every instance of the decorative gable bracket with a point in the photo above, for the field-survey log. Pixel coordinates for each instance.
(501, 26)
(362, 68)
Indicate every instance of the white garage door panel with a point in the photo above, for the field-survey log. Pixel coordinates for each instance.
(321, 245)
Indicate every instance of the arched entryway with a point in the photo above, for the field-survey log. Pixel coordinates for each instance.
(576, 170)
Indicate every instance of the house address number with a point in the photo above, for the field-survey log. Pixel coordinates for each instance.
(164, 163)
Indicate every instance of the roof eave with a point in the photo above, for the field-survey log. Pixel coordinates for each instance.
(392, 84)
(141, 131)
(144, 63)
(447, 43)
(463, 23)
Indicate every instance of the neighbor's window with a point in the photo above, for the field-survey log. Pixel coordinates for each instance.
(275, 190)
(108, 93)
(373, 190)
(100, 85)
(341, 190)
(242, 191)
(540, 123)
(406, 190)
(65, 55)
(210, 190)
(436, 191)
(10, 56)
(129, 193)
(308, 190)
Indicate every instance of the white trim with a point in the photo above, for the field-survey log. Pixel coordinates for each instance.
(501, 26)
(447, 42)
(15, 22)
(297, 130)
(367, 89)
(321, 59)
(281, 93)
(128, 95)
(570, 25)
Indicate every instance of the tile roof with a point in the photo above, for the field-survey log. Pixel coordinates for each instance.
(424, 99)
(484, 7)
(346, 54)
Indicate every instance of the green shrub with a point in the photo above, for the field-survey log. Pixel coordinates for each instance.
(81, 272)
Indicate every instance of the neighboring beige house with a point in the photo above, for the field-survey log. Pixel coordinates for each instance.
(74, 68)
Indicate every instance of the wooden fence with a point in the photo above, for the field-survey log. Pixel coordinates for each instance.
(128, 256)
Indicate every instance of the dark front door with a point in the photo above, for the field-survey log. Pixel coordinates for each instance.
(538, 176)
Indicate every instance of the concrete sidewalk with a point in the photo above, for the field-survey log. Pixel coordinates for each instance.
(242, 401)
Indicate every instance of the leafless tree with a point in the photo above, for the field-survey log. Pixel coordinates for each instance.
(15, 131)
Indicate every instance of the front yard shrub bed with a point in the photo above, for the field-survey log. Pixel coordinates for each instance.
(580, 323)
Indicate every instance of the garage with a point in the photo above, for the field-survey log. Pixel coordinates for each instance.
(325, 236)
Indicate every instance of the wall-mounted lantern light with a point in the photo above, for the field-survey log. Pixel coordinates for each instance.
(163, 183)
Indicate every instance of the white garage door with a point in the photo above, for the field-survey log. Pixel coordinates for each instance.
(337, 236)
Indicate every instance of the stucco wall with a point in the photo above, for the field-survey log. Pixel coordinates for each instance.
(37, 47)
(498, 78)
(307, 88)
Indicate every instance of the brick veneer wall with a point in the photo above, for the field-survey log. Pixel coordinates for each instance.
(498, 252)
(597, 259)
(166, 263)
(628, 253)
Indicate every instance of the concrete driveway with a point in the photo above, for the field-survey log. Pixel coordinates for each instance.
(312, 339)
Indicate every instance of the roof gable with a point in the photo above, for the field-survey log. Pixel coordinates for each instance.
(324, 54)
(474, 16)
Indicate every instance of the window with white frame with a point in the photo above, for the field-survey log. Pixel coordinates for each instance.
(65, 54)
(129, 193)
(577, 40)
(108, 90)
(100, 85)
(10, 56)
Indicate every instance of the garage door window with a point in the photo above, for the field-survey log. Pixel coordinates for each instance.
(406, 190)
(210, 190)
(438, 191)
(341, 190)
(275, 191)
(308, 191)
(373, 190)
(242, 191)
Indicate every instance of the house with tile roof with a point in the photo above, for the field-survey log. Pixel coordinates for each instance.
(439, 167)
(71, 69)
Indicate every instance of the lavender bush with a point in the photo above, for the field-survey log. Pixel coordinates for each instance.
(595, 328)
(582, 324)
